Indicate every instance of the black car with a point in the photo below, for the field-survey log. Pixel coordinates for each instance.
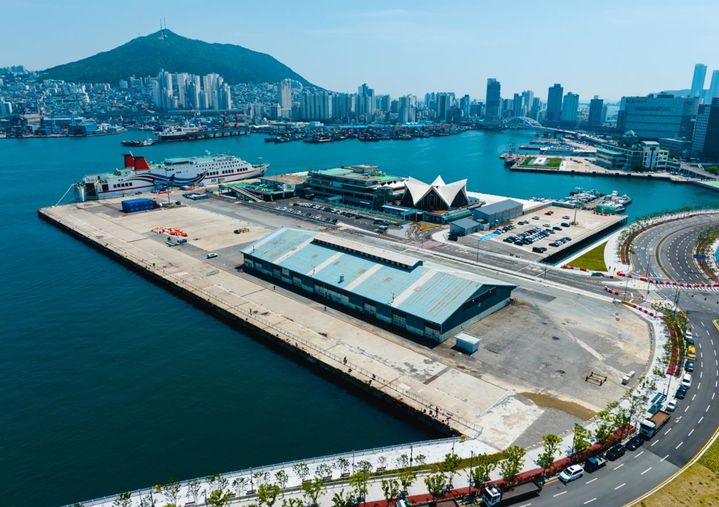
(681, 392)
(615, 452)
(635, 442)
(689, 365)
(539, 249)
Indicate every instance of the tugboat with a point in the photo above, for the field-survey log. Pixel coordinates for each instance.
(135, 143)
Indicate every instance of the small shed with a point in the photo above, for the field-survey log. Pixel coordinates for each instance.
(466, 343)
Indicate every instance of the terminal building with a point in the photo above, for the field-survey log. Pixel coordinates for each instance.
(425, 299)
(364, 186)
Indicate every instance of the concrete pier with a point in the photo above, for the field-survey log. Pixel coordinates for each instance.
(438, 394)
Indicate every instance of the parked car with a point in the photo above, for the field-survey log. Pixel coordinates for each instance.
(565, 217)
(594, 463)
(571, 473)
(681, 393)
(635, 442)
(689, 365)
(615, 452)
(539, 249)
(689, 338)
(691, 352)
(557, 228)
(671, 406)
(211, 255)
(687, 380)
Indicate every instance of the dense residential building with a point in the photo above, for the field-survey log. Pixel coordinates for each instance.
(554, 105)
(570, 109)
(407, 109)
(597, 112)
(365, 102)
(700, 72)
(527, 101)
(316, 106)
(657, 116)
(705, 141)
(5, 107)
(190, 92)
(494, 101)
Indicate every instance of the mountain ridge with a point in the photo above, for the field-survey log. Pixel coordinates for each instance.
(165, 50)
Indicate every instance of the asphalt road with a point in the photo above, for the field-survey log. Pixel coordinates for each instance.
(665, 251)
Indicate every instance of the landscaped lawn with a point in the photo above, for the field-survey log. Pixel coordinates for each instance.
(592, 260)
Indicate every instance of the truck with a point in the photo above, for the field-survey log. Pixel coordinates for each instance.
(650, 427)
(594, 463)
(492, 495)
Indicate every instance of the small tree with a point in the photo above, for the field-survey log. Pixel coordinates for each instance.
(342, 499)
(282, 478)
(301, 470)
(122, 500)
(267, 494)
(364, 466)
(580, 442)
(358, 483)
(605, 426)
(219, 498)
(145, 501)
(193, 488)
(551, 446)
(450, 465)
(406, 479)
(390, 489)
(420, 459)
(436, 483)
(381, 462)
(292, 502)
(481, 473)
(403, 461)
(238, 485)
(323, 470)
(343, 465)
(261, 477)
(171, 490)
(512, 464)
(313, 490)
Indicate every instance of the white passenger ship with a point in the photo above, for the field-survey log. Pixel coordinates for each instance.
(140, 176)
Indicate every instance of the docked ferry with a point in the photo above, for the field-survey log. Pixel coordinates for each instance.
(140, 176)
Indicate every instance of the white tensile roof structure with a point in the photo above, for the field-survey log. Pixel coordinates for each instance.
(448, 193)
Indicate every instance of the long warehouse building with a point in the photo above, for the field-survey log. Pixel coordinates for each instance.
(426, 299)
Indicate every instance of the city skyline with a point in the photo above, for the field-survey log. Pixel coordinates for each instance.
(413, 48)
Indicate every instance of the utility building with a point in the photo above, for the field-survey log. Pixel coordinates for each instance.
(425, 299)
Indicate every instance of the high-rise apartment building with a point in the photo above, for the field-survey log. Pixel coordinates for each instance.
(570, 109)
(713, 87)
(554, 105)
(407, 109)
(596, 112)
(494, 101)
(285, 98)
(700, 73)
(365, 102)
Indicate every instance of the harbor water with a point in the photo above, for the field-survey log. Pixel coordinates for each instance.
(108, 382)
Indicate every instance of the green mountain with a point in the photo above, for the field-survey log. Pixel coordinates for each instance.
(146, 56)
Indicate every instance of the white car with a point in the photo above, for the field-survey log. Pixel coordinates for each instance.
(687, 380)
(571, 473)
(671, 406)
(211, 255)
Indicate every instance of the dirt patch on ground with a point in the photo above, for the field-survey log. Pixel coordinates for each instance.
(547, 401)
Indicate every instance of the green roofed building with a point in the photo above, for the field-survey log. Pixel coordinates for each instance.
(404, 292)
(364, 186)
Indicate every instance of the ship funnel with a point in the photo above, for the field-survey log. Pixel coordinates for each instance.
(141, 164)
(129, 160)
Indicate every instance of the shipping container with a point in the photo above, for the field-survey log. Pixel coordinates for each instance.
(138, 204)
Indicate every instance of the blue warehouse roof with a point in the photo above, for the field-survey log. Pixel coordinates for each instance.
(429, 291)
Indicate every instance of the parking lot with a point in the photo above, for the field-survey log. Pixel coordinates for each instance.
(543, 233)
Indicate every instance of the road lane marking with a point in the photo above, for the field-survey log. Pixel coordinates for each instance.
(591, 481)
(635, 457)
(713, 395)
(655, 443)
(679, 445)
(700, 420)
(701, 374)
(560, 494)
(667, 432)
(695, 395)
(590, 501)
(664, 458)
(526, 504)
(690, 433)
(686, 408)
(620, 486)
(618, 467)
(707, 410)
(645, 471)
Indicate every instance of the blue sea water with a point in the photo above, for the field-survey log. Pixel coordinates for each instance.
(108, 382)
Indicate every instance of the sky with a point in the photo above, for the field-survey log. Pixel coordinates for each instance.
(608, 48)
